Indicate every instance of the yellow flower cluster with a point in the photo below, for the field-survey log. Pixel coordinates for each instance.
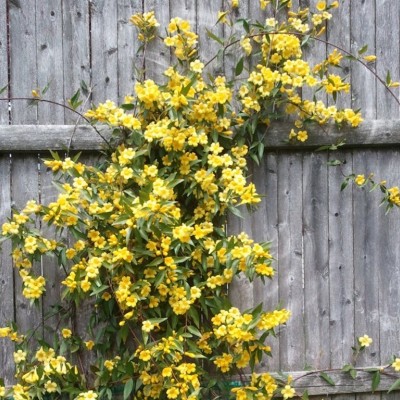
(146, 24)
(183, 39)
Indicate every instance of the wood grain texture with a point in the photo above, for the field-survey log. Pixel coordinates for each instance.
(341, 274)
(372, 133)
(129, 60)
(207, 16)
(23, 62)
(4, 61)
(49, 51)
(368, 220)
(363, 90)
(76, 49)
(290, 258)
(24, 187)
(316, 260)
(6, 273)
(388, 53)
(104, 50)
(157, 58)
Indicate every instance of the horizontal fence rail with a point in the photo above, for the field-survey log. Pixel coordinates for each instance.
(381, 133)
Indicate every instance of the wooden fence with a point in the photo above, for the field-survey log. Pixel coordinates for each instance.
(338, 258)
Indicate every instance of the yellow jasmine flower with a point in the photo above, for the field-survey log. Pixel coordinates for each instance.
(365, 341)
(359, 180)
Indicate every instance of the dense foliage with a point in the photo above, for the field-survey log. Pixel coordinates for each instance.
(147, 248)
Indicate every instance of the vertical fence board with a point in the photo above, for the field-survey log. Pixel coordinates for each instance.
(6, 273)
(338, 33)
(76, 49)
(23, 59)
(50, 60)
(388, 53)
(341, 274)
(264, 223)
(316, 260)
(129, 61)
(367, 218)
(104, 50)
(157, 54)
(4, 61)
(24, 187)
(290, 258)
(389, 270)
(207, 15)
(363, 82)
(51, 269)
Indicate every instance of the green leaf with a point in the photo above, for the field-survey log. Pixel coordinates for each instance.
(128, 388)
(353, 373)
(376, 378)
(194, 331)
(239, 67)
(3, 89)
(388, 78)
(395, 386)
(213, 37)
(305, 395)
(363, 49)
(327, 378)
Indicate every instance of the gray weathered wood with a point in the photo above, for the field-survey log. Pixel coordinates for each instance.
(24, 187)
(367, 220)
(104, 50)
(4, 61)
(363, 82)
(157, 54)
(290, 258)
(341, 275)
(388, 53)
(129, 60)
(23, 60)
(6, 273)
(316, 260)
(42, 137)
(50, 60)
(76, 49)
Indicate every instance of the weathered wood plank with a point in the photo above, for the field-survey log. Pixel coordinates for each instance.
(388, 53)
(4, 61)
(6, 273)
(207, 16)
(316, 259)
(128, 44)
(264, 227)
(24, 187)
(341, 278)
(363, 82)
(290, 258)
(50, 267)
(104, 50)
(22, 60)
(42, 137)
(338, 33)
(76, 49)
(50, 60)
(157, 57)
(367, 224)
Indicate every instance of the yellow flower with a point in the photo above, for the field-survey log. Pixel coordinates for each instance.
(365, 341)
(335, 4)
(2, 391)
(89, 344)
(302, 136)
(50, 386)
(359, 180)
(321, 5)
(235, 3)
(19, 356)
(66, 333)
(288, 392)
(370, 58)
(396, 364)
(147, 326)
(196, 66)
(109, 364)
(172, 393)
